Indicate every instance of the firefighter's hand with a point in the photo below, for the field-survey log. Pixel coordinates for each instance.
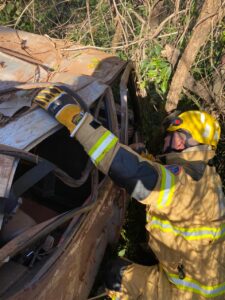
(62, 104)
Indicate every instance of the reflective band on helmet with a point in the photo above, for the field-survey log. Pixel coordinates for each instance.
(207, 130)
(194, 286)
(199, 233)
(166, 189)
(106, 142)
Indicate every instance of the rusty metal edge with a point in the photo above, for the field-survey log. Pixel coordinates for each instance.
(123, 102)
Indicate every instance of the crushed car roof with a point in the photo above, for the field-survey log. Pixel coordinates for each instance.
(28, 60)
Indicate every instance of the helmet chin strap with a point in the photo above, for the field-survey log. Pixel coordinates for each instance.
(169, 148)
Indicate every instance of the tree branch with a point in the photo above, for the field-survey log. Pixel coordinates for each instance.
(211, 13)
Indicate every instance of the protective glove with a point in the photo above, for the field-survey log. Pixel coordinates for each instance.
(63, 104)
(68, 109)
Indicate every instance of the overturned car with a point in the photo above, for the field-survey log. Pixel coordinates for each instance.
(58, 212)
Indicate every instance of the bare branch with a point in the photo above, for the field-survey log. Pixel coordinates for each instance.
(89, 21)
(22, 13)
(211, 12)
(172, 54)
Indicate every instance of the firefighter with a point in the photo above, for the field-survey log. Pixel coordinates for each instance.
(185, 205)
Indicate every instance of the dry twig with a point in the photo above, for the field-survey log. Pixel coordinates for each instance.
(89, 21)
(162, 24)
(172, 54)
(22, 13)
(128, 44)
(210, 13)
(120, 22)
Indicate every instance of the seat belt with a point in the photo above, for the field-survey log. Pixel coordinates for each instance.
(31, 177)
(26, 181)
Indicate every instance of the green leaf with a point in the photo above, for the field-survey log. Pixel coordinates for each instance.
(157, 49)
(122, 252)
(158, 80)
(9, 8)
(152, 73)
(123, 234)
(17, 12)
(168, 71)
(163, 64)
(143, 85)
(196, 70)
(163, 86)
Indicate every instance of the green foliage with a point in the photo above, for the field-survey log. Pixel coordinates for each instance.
(11, 11)
(43, 17)
(155, 69)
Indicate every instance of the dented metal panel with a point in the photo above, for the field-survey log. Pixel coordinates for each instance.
(15, 97)
(28, 130)
(73, 273)
(30, 62)
(27, 58)
(51, 59)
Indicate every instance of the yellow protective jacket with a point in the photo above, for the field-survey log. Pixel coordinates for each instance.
(185, 217)
(186, 224)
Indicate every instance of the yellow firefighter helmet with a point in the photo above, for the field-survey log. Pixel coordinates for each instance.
(203, 127)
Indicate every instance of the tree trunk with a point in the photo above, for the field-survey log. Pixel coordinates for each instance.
(212, 11)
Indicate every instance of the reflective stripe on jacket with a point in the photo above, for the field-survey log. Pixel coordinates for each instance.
(186, 224)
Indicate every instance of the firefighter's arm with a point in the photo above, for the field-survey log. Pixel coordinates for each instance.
(124, 166)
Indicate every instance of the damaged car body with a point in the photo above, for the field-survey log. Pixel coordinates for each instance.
(58, 212)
